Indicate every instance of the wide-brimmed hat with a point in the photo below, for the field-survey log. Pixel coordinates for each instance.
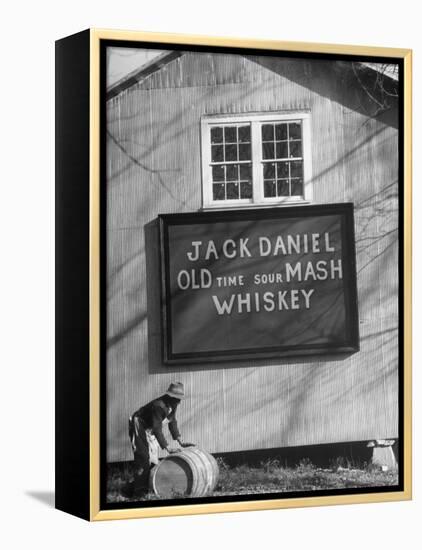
(177, 390)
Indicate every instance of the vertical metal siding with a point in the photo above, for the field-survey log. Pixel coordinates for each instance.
(154, 166)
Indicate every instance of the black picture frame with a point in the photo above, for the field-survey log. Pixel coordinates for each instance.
(82, 415)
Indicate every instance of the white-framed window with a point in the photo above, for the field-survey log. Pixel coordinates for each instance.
(256, 159)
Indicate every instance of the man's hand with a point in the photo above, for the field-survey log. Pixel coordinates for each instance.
(173, 451)
(184, 445)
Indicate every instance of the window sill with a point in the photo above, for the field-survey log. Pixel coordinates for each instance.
(240, 206)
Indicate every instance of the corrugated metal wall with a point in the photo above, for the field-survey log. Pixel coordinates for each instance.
(154, 167)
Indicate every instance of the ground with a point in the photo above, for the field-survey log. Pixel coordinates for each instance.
(270, 477)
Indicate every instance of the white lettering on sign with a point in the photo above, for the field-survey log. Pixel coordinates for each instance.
(230, 281)
(295, 244)
(194, 279)
(285, 299)
(288, 245)
(269, 301)
(193, 257)
(211, 250)
(229, 249)
(307, 271)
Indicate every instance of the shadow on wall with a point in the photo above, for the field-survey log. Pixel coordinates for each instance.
(358, 88)
(156, 364)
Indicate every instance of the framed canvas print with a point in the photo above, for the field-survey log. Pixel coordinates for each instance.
(233, 274)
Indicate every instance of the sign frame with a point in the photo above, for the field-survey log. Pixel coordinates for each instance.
(351, 345)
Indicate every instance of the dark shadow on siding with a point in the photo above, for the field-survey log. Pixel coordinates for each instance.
(156, 364)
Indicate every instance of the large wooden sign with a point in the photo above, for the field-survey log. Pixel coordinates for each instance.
(259, 283)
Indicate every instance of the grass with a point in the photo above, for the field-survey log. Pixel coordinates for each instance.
(269, 477)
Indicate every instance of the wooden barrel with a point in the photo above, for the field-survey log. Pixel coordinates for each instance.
(192, 472)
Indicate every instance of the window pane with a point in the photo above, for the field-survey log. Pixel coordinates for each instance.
(245, 172)
(232, 172)
(283, 188)
(244, 134)
(232, 191)
(295, 130)
(217, 153)
(269, 170)
(269, 188)
(218, 173)
(245, 152)
(232, 165)
(231, 152)
(218, 191)
(268, 150)
(230, 134)
(245, 190)
(217, 134)
(282, 150)
(297, 187)
(267, 132)
(282, 170)
(296, 169)
(295, 148)
(281, 132)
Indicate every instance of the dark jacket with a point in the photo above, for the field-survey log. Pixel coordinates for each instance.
(152, 415)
